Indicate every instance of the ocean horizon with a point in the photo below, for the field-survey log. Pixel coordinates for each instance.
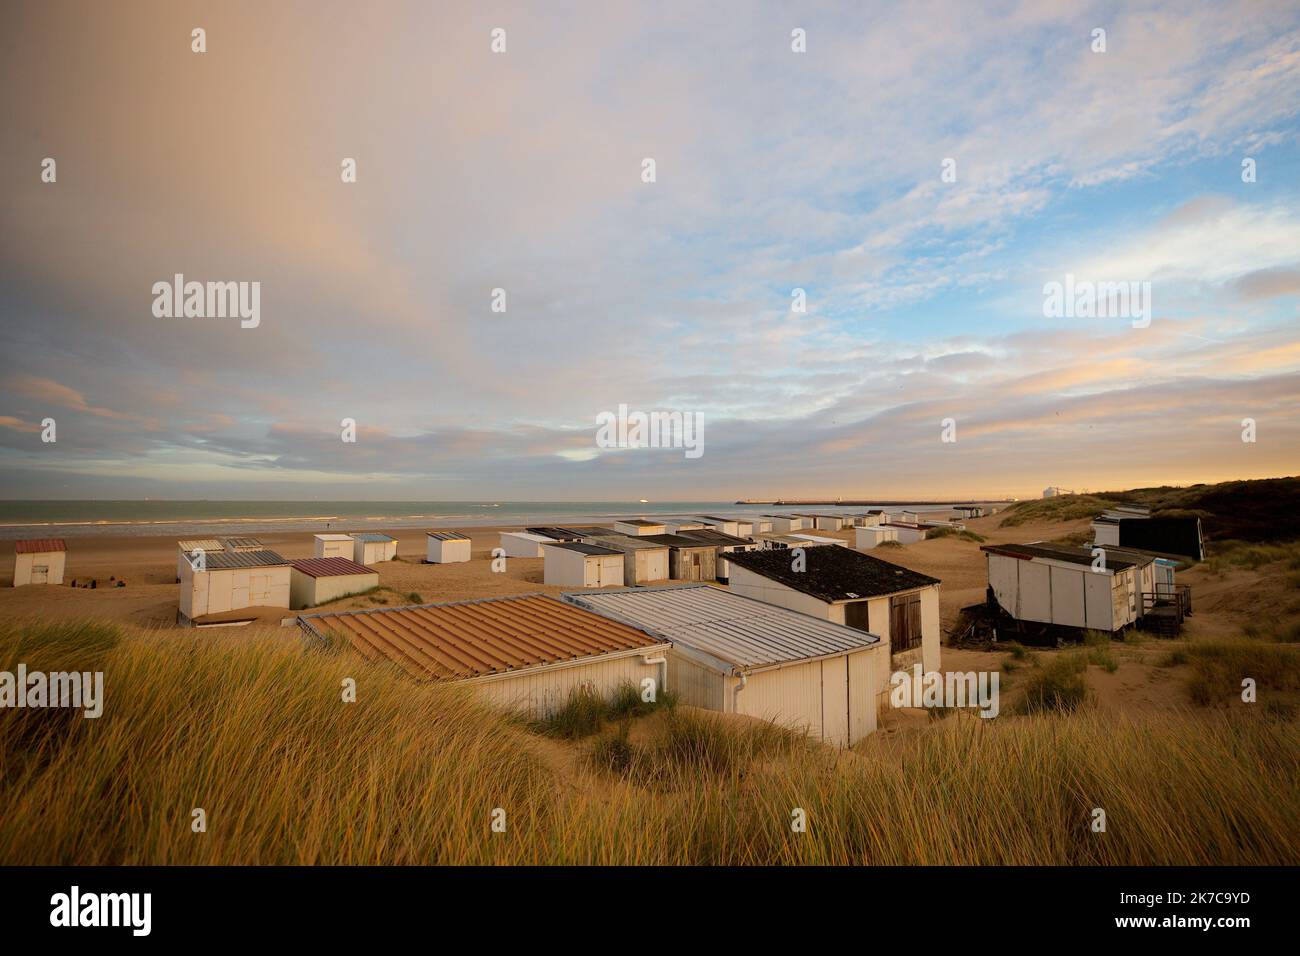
(74, 518)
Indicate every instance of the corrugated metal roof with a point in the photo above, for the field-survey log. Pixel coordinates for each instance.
(372, 536)
(443, 536)
(247, 544)
(39, 546)
(199, 544)
(476, 638)
(738, 631)
(330, 567)
(228, 560)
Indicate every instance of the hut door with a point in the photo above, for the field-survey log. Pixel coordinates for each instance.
(40, 574)
(696, 574)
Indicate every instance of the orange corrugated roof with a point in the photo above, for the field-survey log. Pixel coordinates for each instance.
(330, 567)
(476, 638)
(39, 546)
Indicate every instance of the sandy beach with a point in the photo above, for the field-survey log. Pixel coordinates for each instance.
(149, 599)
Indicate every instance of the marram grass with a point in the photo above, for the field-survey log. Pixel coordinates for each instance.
(251, 728)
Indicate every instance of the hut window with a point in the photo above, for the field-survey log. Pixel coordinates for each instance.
(904, 622)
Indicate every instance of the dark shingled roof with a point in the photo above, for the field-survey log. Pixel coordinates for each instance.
(677, 541)
(832, 574)
(1115, 559)
(557, 534)
(715, 537)
(581, 547)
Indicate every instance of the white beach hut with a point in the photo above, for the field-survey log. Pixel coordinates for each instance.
(334, 546)
(446, 547)
(867, 537)
(314, 581)
(523, 544)
(371, 548)
(741, 656)
(581, 565)
(39, 561)
(232, 581)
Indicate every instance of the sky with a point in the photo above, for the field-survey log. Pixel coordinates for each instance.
(923, 364)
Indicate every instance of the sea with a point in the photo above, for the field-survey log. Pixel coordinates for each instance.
(35, 519)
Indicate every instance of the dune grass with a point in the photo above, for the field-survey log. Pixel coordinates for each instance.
(1059, 508)
(1217, 669)
(252, 728)
(964, 534)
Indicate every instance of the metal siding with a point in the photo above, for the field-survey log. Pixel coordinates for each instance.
(1068, 590)
(542, 692)
(1097, 588)
(790, 697)
(864, 691)
(694, 684)
(1035, 592)
(835, 701)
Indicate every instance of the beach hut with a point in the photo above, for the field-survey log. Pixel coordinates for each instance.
(635, 527)
(39, 561)
(906, 533)
(580, 564)
(314, 581)
(446, 547)
(525, 654)
(233, 581)
(1066, 587)
(725, 525)
(846, 587)
(723, 543)
(785, 541)
(1127, 528)
(689, 559)
(969, 511)
(523, 544)
(334, 546)
(823, 522)
(678, 525)
(191, 551)
(644, 562)
(371, 548)
(740, 656)
(868, 536)
(761, 526)
(785, 523)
